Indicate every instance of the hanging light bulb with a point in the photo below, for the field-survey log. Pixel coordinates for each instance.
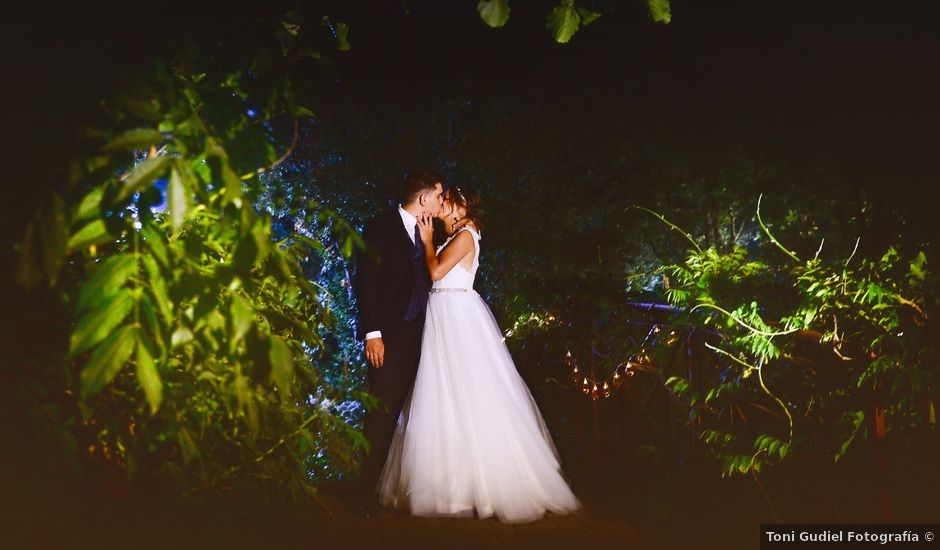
(606, 390)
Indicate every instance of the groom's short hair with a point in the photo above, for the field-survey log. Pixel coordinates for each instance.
(418, 180)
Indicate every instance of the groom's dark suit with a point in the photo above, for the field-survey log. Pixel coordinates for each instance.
(392, 292)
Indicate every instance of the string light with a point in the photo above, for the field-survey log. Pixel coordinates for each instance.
(597, 388)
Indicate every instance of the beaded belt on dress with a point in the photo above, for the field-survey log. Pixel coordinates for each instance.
(445, 289)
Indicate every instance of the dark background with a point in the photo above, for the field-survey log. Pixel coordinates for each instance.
(851, 83)
(844, 89)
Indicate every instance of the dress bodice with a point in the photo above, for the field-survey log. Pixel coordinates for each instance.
(459, 276)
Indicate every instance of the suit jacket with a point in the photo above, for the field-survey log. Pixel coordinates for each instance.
(384, 283)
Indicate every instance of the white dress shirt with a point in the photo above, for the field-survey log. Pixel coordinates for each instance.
(409, 222)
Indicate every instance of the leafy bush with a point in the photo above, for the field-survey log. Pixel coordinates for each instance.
(195, 354)
(817, 347)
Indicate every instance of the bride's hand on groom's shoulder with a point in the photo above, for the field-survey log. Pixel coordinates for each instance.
(426, 228)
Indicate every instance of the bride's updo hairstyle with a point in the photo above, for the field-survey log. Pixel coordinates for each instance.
(469, 200)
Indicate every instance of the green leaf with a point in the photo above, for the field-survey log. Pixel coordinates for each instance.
(177, 198)
(221, 172)
(139, 138)
(660, 11)
(148, 314)
(242, 318)
(148, 378)
(246, 253)
(142, 175)
(92, 233)
(917, 270)
(563, 21)
(106, 281)
(181, 336)
(233, 186)
(158, 287)
(889, 258)
(342, 36)
(494, 13)
(291, 28)
(307, 442)
(43, 248)
(282, 365)
(261, 232)
(187, 445)
(307, 51)
(808, 316)
(587, 16)
(156, 244)
(246, 402)
(89, 207)
(858, 417)
(147, 110)
(106, 361)
(98, 323)
(303, 110)
(312, 243)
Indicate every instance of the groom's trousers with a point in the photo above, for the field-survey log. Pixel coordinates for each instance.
(390, 383)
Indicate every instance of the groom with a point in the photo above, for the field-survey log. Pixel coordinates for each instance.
(392, 285)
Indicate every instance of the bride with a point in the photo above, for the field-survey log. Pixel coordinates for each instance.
(470, 437)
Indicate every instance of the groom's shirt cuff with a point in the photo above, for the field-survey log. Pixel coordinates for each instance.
(373, 334)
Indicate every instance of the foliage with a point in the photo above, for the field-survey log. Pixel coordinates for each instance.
(564, 20)
(817, 346)
(197, 347)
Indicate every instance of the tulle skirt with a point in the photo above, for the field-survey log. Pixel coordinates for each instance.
(470, 437)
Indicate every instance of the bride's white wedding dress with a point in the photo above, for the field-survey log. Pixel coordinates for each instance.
(470, 436)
